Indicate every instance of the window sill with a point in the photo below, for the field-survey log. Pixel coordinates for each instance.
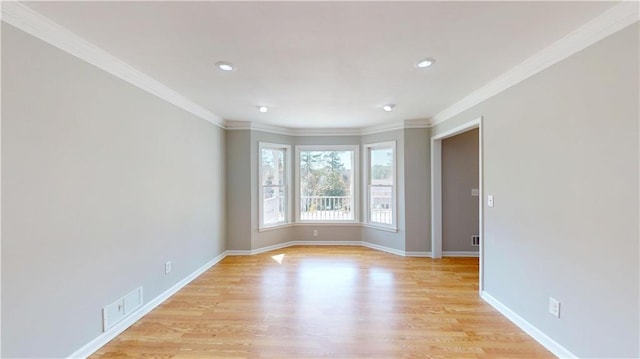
(274, 227)
(380, 227)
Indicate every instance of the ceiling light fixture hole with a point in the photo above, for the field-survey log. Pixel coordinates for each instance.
(225, 66)
(388, 107)
(424, 63)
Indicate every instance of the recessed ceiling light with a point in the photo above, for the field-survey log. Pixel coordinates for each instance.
(425, 63)
(225, 66)
(389, 107)
(263, 109)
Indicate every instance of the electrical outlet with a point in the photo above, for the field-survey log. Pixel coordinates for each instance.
(167, 267)
(315, 232)
(554, 307)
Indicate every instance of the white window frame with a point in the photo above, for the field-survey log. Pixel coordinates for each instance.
(287, 185)
(354, 181)
(394, 191)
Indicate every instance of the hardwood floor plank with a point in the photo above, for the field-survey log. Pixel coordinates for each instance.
(327, 302)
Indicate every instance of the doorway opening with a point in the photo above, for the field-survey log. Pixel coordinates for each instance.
(436, 190)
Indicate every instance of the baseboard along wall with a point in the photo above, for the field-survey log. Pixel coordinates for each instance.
(539, 336)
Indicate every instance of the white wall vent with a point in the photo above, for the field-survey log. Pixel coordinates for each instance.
(113, 313)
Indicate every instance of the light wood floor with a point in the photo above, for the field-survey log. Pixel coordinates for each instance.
(328, 302)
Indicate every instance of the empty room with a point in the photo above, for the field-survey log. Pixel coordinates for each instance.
(320, 179)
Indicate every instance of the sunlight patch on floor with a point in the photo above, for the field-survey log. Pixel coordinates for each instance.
(278, 258)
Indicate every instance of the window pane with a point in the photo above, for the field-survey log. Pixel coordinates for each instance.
(381, 202)
(382, 166)
(273, 204)
(273, 171)
(326, 185)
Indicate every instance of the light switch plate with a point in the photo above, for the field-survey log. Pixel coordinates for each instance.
(554, 307)
(490, 200)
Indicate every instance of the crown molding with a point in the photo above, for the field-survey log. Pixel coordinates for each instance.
(327, 132)
(237, 125)
(37, 25)
(255, 126)
(385, 127)
(421, 123)
(392, 126)
(287, 131)
(609, 22)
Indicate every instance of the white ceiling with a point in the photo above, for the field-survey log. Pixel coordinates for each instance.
(322, 64)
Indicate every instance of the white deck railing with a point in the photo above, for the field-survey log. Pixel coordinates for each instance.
(381, 208)
(326, 208)
(338, 208)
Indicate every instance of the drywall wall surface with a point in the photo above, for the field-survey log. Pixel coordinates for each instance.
(460, 174)
(327, 233)
(102, 183)
(417, 189)
(560, 157)
(239, 195)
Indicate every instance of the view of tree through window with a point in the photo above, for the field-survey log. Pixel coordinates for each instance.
(326, 185)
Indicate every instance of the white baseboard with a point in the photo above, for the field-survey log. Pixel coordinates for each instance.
(251, 252)
(383, 248)
(460, 254)
(326, 243)
(337, 243)
(235, 252)
(238, 252)
(107, 336)
(418, 254)
(332, 243)
(535, 333)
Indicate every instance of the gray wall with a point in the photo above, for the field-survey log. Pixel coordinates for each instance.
(417, 186)
(561, 158)
(238, 185)
(101, 184)
(460, 173)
